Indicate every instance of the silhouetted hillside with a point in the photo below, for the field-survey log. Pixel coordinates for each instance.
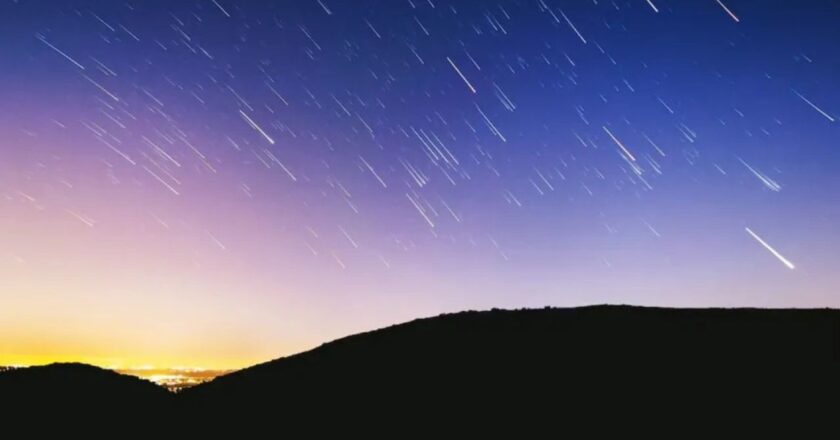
(482, 368)
(475, 363)
(87, 395)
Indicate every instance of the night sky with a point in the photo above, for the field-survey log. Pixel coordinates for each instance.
(217, 183)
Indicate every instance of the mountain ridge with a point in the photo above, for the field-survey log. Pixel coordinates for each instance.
(471, 363)
(445, 315)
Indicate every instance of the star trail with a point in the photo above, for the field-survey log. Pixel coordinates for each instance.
(267, 175)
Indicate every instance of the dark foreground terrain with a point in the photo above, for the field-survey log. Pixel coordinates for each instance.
(482, 368)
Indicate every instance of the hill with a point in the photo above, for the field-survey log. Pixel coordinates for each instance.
(83, 395)
(498, 362)
(480, 368)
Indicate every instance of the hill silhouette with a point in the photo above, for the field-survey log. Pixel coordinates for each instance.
(472, 366)
(80, 397)
(62, 382)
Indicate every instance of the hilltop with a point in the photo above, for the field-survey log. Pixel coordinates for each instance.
(504, 360)
(468, 366)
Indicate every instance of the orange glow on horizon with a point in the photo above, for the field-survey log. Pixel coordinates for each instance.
(32, 360)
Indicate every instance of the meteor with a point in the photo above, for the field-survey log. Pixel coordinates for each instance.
(775, 253)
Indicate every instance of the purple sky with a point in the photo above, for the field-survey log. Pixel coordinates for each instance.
(214, 184)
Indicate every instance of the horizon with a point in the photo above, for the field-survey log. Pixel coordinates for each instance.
(146, 371)
(178, 378)
(218, 183)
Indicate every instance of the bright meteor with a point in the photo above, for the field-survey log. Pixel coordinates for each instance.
(775, 253)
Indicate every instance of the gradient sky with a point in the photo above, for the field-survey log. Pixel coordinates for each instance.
(217, 183)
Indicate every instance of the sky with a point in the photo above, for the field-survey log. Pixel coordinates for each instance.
(216, 183)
